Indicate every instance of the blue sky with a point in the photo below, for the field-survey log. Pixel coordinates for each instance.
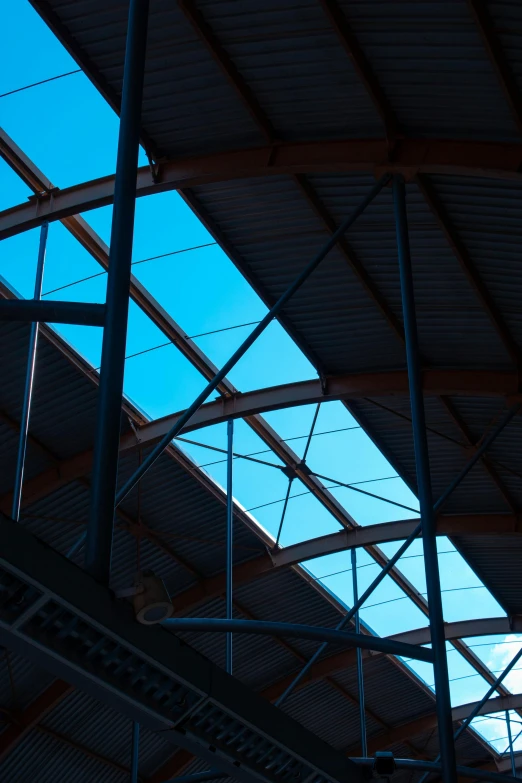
(70, 133)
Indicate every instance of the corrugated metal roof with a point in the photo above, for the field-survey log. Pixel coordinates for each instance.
(496, 560)
(431, 63)
(107, 732)
(394, 704)
(44, 758)
(289, 55)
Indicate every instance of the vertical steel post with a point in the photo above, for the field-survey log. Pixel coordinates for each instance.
(135, 752)
(29, 378)
(230, 532)
(440, 666)
(360, 677)
(100, 529)
(511, 748)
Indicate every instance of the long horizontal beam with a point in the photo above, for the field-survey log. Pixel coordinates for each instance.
(46, 310)
(72, 625)
(411, 157)
(371, 535)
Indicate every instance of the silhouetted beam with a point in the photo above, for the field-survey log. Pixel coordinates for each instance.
(80, 313)
(411, 157)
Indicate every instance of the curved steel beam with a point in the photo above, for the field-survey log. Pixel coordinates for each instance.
(469, 383)
(495, 626)
(411, 157)
(447, 525)
(371, 535)
(423, 724)
(449, 383)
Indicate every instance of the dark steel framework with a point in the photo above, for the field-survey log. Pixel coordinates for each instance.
(113, 317)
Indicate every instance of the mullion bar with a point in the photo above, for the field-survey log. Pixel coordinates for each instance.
(230, 541)
(511, 749)
(360, 674)
(29, 378)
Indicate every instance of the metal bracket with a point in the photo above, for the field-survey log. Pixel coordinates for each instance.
(134, 429)
(324, 384)
(155, 169)
(43, 194)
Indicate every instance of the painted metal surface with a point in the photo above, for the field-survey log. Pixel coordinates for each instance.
(98, 543)
(422, 465)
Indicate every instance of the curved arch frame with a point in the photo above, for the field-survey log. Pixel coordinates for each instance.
(411, 157)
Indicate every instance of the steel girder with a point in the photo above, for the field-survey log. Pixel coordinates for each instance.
(411, 157)
(55, 613)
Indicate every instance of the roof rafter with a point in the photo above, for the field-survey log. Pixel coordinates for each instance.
(486, 27)
(463, 257)
(492, 472)
(224, 61)
(362, 66)
(353, 262)
(50, 698)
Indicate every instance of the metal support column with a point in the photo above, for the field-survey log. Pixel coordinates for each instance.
(511, 748)
(360, 677)
(105, 472)
(230, 532)
(135, 752)
(440, 666)
(29, 378)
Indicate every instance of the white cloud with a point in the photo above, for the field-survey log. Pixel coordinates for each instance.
(501, 655)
